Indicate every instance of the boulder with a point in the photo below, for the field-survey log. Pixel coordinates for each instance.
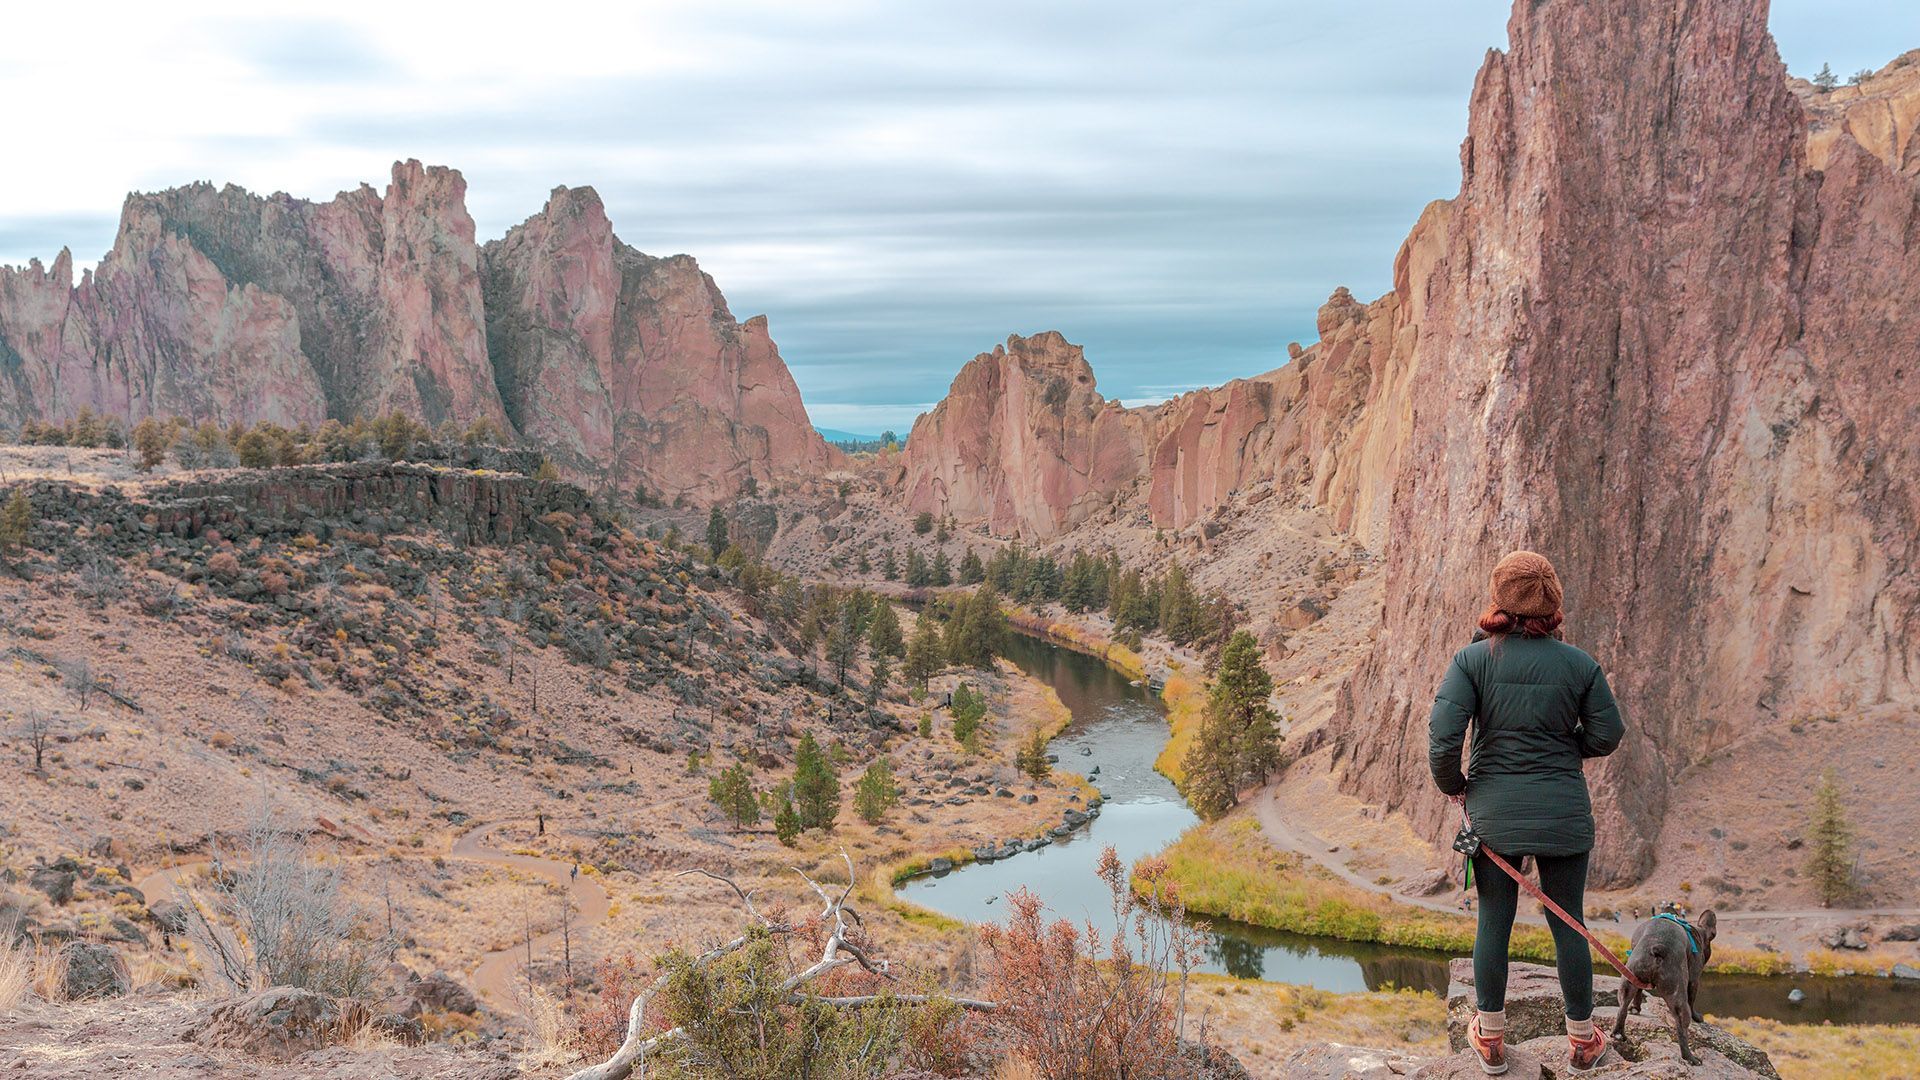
(441, 992)
(1428, 882)
(1337, 1061)
(85, 971)
(1909, 932)
(1844, 937)
(278, 1023)
(1904, 971)
(1536, 1024)
(56, 883)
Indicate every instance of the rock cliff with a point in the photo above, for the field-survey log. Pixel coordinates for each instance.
(219, 304)
(1024, 441)
(631, 368)
(1662, 347)
(1661, 333)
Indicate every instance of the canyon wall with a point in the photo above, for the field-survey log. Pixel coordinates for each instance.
(631, 368)
(1663, 333)
(219, 304)
(1663, 349)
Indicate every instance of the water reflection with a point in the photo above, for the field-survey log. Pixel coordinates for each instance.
(1119, 729)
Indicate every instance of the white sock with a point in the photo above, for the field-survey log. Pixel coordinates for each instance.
(1580, 1029)
(1493, 1023)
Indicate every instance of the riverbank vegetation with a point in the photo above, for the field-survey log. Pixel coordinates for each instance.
(1834, 1052)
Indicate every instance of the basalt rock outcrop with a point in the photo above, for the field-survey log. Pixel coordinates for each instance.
(218, 304)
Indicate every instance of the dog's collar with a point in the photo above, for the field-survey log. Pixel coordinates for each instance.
(1693, 941)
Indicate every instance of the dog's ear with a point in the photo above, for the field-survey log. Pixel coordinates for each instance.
(1708, 924)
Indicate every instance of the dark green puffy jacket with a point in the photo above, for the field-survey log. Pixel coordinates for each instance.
(1537, 708)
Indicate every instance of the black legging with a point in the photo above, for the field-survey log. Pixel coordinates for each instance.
(1562, 877)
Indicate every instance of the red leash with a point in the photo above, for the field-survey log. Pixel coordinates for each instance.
(1527, 884)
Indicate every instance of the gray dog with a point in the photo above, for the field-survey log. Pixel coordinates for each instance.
(1668, 955)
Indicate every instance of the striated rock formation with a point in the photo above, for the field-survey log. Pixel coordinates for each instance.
(219, 304)
(630, 368)
(1024, 441)
(1662, 348)
(1663, 333)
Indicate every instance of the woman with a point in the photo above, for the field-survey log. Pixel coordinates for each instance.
(1537, 708)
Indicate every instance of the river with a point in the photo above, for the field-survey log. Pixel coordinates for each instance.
(1119, 728)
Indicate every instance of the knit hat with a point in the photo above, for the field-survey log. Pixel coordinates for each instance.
(1524, 584)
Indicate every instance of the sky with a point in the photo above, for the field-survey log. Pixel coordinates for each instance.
(897, 186)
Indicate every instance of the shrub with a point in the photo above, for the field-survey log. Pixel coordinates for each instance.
(275, 916)
(874, 794)
(1074, 1004)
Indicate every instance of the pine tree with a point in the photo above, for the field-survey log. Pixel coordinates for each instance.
(786, 822)
(1826, 79)
(816, 790)
(942, 573)
(732, 791)
(16, 520)
(883, 632)
(976, 629)
(1210, 768)
(1831, 837)
(1032, 756)
(843, 640)
(925, 653)
(716, 532)
(874, 793)
(972, 570)
(1241, 688)
(1239, 740)
(889, 566)
(919, 574)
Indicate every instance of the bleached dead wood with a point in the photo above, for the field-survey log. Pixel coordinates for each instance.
(837, 952)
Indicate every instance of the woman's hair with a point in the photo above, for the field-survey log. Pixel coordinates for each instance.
(1498, 623)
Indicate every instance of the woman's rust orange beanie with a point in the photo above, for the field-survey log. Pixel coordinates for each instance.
(1524, 584)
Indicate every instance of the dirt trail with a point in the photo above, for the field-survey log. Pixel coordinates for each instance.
(493, 977)
(1291, 836)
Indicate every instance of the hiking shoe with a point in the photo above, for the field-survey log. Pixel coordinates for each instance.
(1492, 1049)
(1587, 1052)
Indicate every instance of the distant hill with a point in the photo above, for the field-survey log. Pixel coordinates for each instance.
(836, 435)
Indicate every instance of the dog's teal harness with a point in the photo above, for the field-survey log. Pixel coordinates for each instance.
(1693, 942)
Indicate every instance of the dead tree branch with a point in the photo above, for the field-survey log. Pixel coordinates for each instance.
(836, 953)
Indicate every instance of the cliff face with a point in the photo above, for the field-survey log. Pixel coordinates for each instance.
(1024, 441)
(1663, 333)
(1661, 348)
(219, 304)
(631, 367)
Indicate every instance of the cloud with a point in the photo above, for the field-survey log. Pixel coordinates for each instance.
(896, 186)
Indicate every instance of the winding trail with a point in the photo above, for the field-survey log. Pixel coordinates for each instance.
(492, 978)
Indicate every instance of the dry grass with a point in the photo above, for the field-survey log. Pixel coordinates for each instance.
(16, 975)
(555, 1038)
(1264, 1021)
(1186, 699)
(1825, 1052)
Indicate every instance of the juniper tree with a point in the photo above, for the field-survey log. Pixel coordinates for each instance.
(883, 632)
(716, 532)
(925, 653)
(732, 791)
(1032, 756)
(972, 570)
(16, 520)
(816, 790)
(1831, 840)
(874, 794)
